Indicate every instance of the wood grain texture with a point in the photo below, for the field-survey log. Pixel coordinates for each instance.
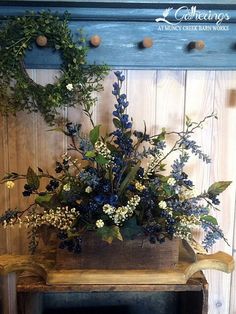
(122, 29)
(179, 274)
(8, 293)
(4, 196)
(33, 283)
(223, 166)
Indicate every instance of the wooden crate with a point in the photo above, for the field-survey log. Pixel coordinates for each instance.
(36, 297)
(125, 255)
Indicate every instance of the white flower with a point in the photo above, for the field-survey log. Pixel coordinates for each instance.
(189, 193)
(171, 181)
(69, 87)
(108, 209)
(162, 204)
(10, 184)
(88, 189)
(99, 223)
(66, 187)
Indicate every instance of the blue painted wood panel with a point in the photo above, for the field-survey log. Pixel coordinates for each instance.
(122, 29)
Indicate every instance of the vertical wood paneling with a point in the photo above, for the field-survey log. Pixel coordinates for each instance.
(3, 168)
(224, 152)
(141, 92)
(200, 88)
(170, 98)
(105, 104)
(50, 144)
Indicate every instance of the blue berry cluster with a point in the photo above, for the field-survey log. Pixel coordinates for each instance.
(154, 232)
(52, 185)
(213, 233)
(90, 177)
(27, 190)
(72, 129)
(214, 198)
(9, 214)
(72, 244)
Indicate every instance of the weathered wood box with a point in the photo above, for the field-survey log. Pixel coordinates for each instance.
(132, 254)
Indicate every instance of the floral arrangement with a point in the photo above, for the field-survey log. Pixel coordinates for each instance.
(122, 190)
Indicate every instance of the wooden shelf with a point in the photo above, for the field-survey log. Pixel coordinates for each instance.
(45, 277)
(44, 265)
(122, 26)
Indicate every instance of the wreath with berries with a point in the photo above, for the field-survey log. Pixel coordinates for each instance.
(77, 82)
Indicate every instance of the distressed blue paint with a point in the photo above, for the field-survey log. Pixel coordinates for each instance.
(109, 14)
(124, 27)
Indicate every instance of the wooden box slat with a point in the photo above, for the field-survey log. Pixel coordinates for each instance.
(132, 254)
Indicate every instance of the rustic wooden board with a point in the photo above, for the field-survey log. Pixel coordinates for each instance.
(33, 283)
(178, 274)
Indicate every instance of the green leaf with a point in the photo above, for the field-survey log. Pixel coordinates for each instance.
(160, 137)
(218, 187)
(101, 160)
(117, 123)
(32, 179)
(209, 218)
(47, 201)
(117, 234)
(108, 234)
(167, 189)
(43, 199)
(90, 154)
(111, 147)
(94, 134)
(188, 121)
(130, 229)
(130, 177)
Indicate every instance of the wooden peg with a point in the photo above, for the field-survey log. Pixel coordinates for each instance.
(199, 45)
(147, 42)
(41, 41)
(95, 41)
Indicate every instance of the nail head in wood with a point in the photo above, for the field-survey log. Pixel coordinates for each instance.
(41, 41)
(95, 41)
(147, 42)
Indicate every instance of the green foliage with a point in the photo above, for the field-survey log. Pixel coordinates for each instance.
(94, 134)
(209, 218)
(109, 233)
(131, 229)
(32, 179)
(129, 177)
(18, 92)
(218, 187)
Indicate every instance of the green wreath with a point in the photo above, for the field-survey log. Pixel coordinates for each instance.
(76, 84)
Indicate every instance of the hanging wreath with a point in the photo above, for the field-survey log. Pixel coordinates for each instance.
(77, 82)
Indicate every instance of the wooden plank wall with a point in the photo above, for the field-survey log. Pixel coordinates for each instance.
(161, 98)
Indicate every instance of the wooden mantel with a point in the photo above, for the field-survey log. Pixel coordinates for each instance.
(122, 25)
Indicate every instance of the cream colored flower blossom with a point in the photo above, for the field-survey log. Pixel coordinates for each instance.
(171, 181)
(139, 186)
(162, 204)
(10, 184)
(66, 187)
(70, 87)
(88, 189)
(100, 223)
